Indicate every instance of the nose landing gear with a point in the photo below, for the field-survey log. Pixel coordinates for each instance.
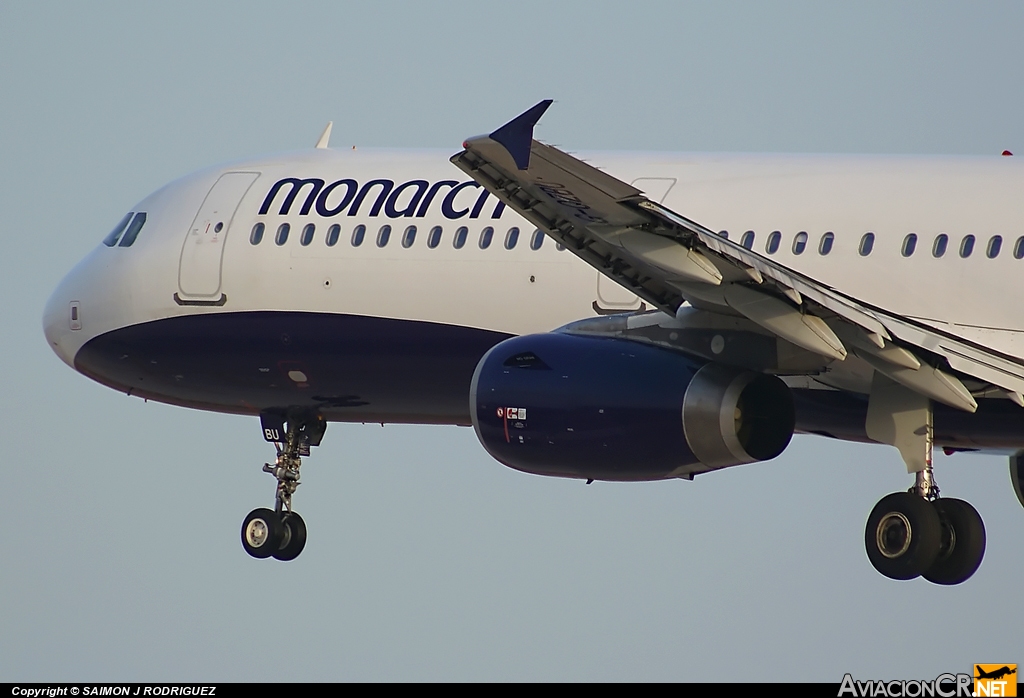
(280, 532)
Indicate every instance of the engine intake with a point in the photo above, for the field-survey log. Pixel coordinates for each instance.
(611, 409)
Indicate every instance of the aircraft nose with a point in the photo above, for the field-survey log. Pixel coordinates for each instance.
(71, 314)
(61, 318)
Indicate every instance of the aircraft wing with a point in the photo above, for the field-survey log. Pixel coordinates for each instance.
(666, 259)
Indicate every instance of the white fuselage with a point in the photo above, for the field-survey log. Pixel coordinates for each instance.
(181, 264)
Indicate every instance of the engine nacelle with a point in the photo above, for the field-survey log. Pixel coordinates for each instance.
(612, 409)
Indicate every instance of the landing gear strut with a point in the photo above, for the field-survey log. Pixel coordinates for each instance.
(280, 532)
(915, 533)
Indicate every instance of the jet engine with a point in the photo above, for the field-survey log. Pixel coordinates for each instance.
(612, 409)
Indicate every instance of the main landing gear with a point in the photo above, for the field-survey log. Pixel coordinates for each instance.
(915, 533)
(280, 533)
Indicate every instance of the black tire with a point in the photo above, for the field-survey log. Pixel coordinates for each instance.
(294, 539)
(903, 535)
(963, 543)
(262, 532)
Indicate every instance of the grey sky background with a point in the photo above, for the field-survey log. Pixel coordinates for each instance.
(120, 557)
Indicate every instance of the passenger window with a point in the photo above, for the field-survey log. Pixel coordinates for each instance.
(559, 247)
(256, 236)
(748, 240)
(409, 236)
(773, 242)
(282, 234)
(967, 246)
(723, 234)
(537, 240)
(1018, 248)
(358, 234)
(333, 233)
(112, 238)
(434, 239)
(995, 244)
(511, 238)
(485, 237)
(307, 234)
(939, 247)
(909, 244)
(825, 246)
(133, 230)
(459, 241)
(383, 235)
(866, 244)
(800, 243)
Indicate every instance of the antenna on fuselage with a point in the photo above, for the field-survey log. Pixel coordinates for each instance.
(325, 137)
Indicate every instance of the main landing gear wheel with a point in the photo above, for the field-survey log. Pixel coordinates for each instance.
(294, 539)
(903, 535)
(917, 533)
(963, 543)
(262, 533)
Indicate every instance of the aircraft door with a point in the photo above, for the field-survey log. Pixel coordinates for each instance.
(199, 271)
(612, 297)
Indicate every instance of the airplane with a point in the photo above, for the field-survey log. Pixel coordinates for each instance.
(996, 674)
(575, 313)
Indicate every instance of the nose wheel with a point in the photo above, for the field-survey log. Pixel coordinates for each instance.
(280, 532)
(267, 533)
(262, 533)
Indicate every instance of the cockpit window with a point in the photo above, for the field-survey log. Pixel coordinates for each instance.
(133, 229)
(112, 238)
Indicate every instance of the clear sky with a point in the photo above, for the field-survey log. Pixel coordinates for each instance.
(120, 556)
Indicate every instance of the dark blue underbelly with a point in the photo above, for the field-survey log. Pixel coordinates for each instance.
(368, 369)
(351, 368)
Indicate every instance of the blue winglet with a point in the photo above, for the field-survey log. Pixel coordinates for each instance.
(517, 135)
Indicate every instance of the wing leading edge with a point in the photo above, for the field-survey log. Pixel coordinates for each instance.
(666, 259)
